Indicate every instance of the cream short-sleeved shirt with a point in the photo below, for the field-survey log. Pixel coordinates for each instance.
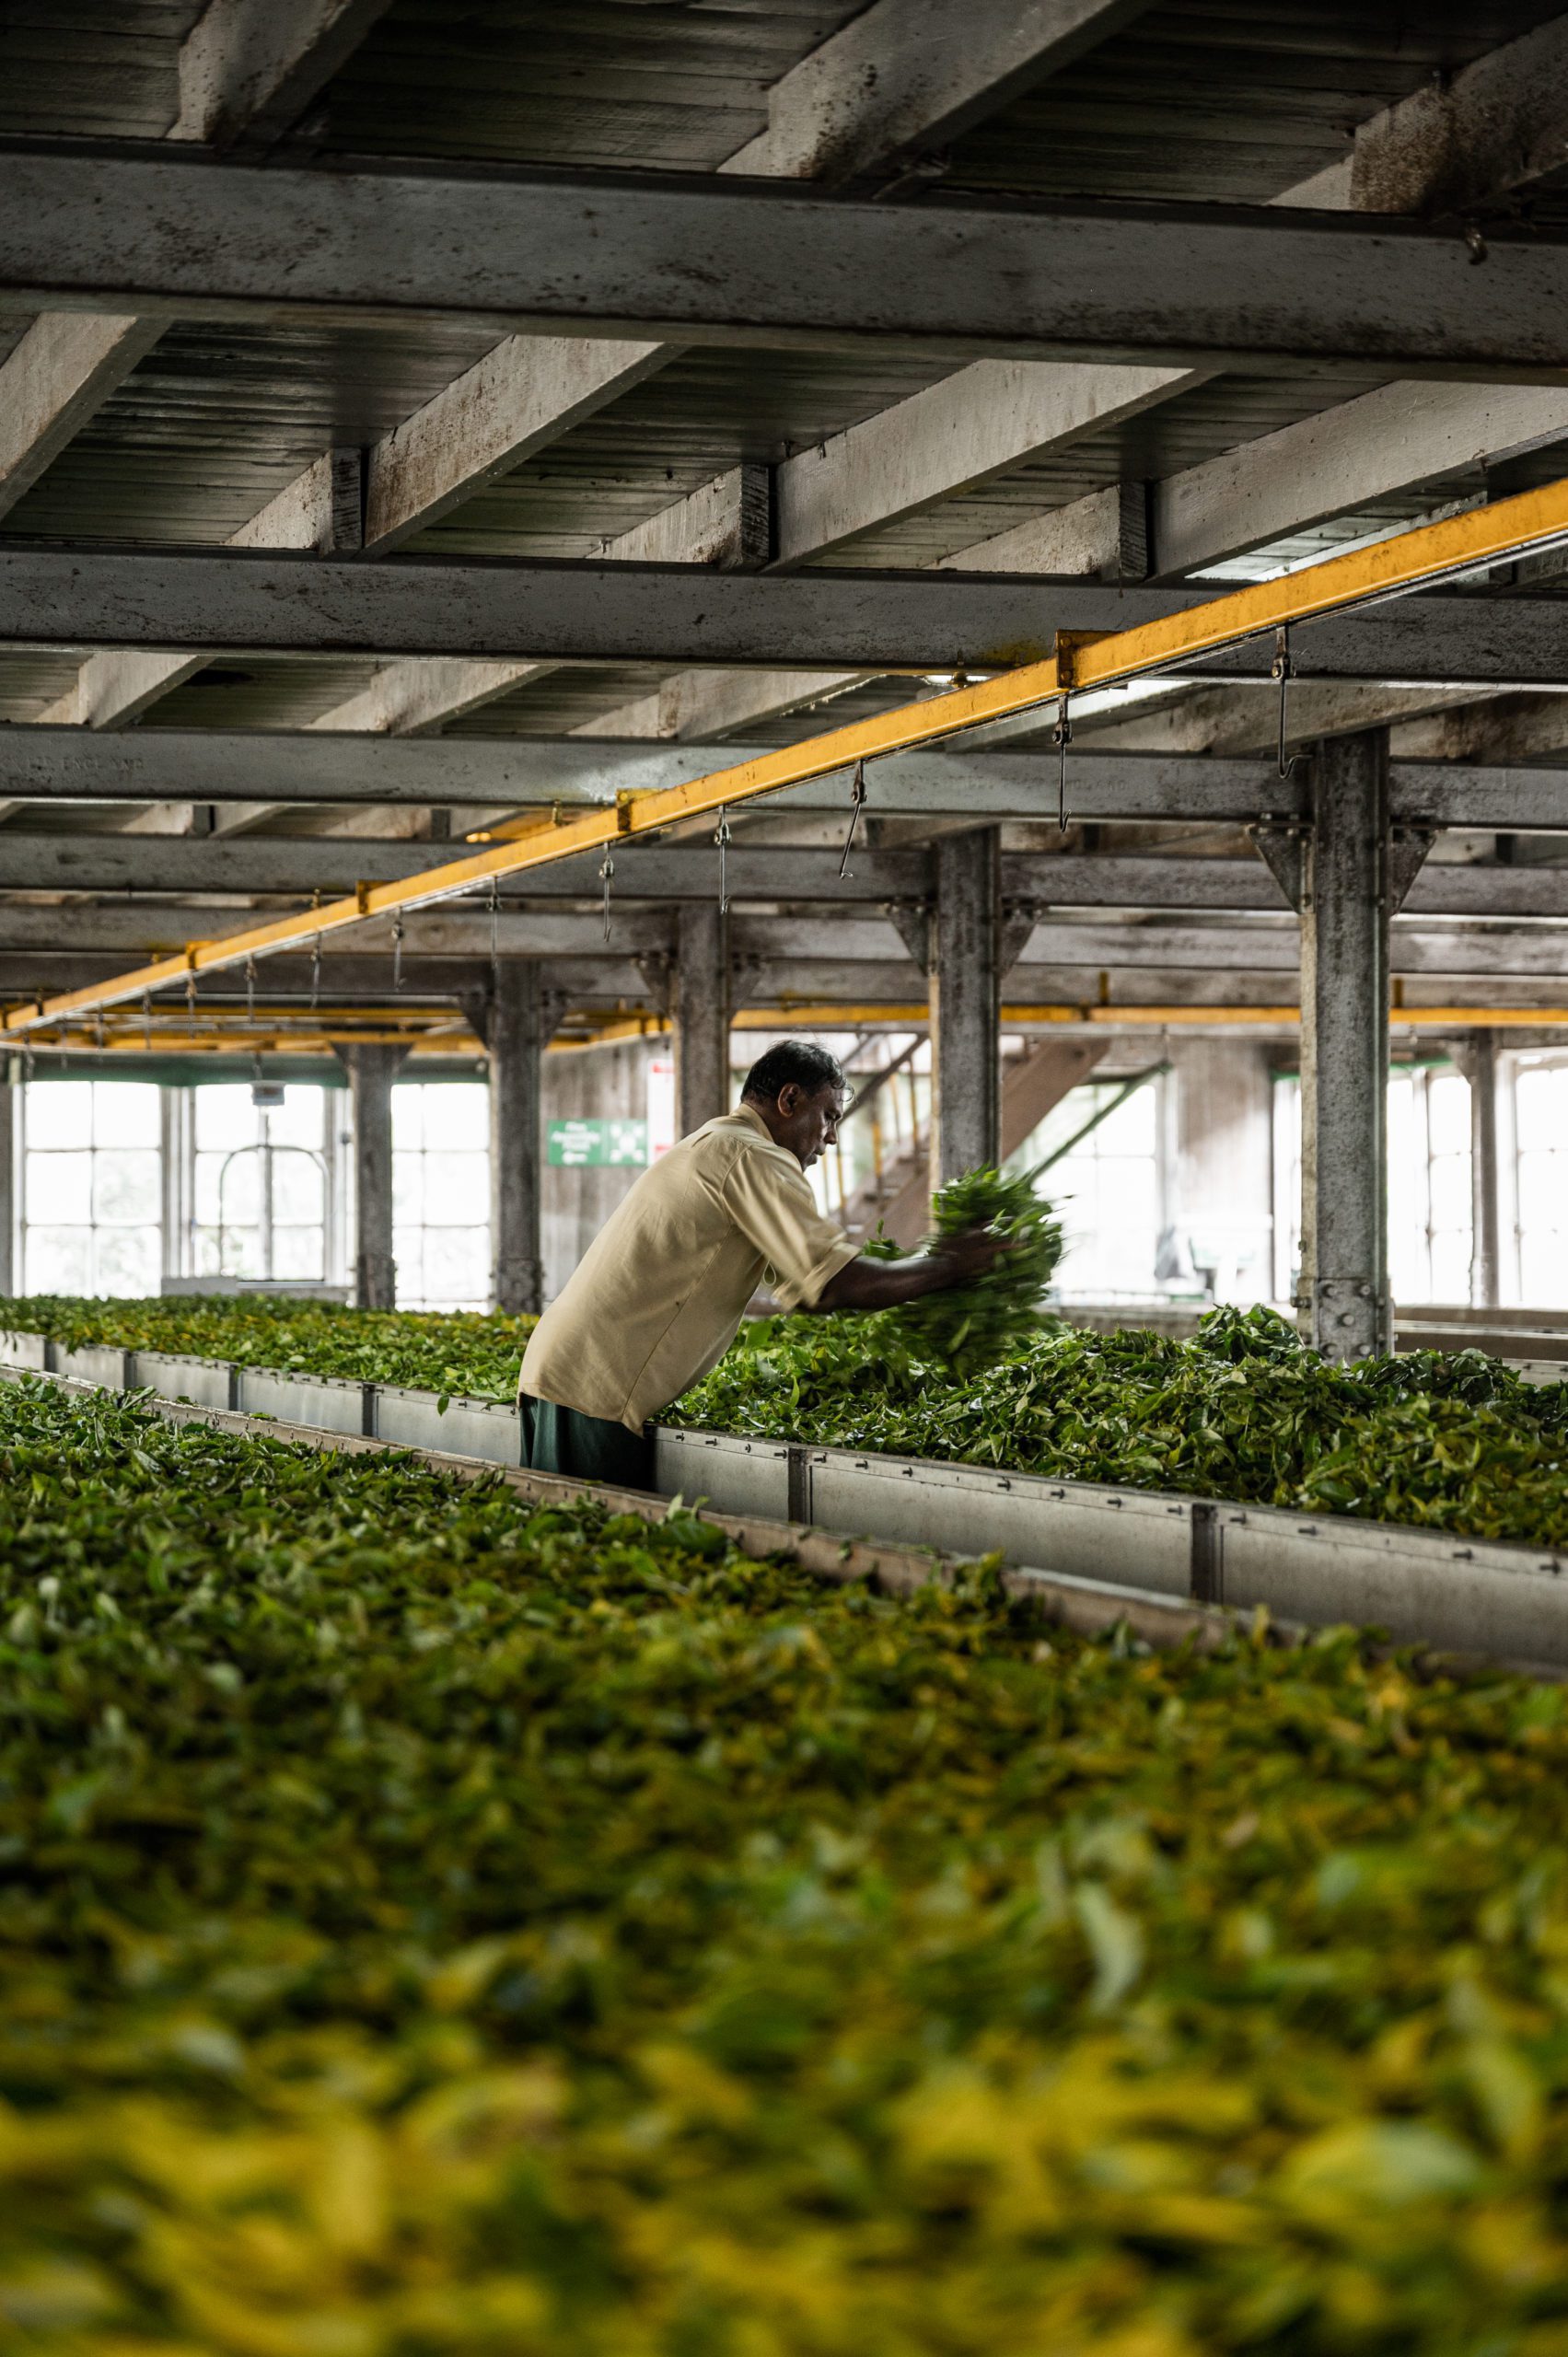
(659, 1296)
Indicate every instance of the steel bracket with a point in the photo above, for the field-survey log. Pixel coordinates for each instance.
(657, 968)
(1404, 854)
(912, 919)
(1018, 920)
(1280, 843)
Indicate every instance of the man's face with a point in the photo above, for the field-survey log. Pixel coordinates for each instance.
(806, 1120)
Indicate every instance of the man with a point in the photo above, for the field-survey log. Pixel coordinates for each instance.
(658, 1298)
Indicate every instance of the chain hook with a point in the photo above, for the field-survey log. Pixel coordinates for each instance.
(1062, 736)
(495, 936)
(398, 951)
(606, 875)
(316, 956)
(1284, 670)
(857, 804)
(251, 989)
(721, 838)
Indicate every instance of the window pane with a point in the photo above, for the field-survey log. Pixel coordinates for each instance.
(1451, 1193)
(60, 1112)
(407, 1186)
(457, 1264)
(1543, 1269)
(125, 1186)
(456, 1189)
(59, 1260)
(241, 1252)
(1542, 1105)
(128, 1259)
(1449, 1099)
(239, 1188)
(225, 1116)
(1131, 1129)
(125, 1112)
(457, 1114)
(299, 1119)
(60, 1186)
(298, 1252)
(408, 1116)
(1541, 1191)
(299, 1189)
(1451, 1268)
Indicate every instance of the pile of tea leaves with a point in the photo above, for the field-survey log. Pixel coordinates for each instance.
(433, 1925)
(1245, 1410)
(967, 1327)
(472, 1352)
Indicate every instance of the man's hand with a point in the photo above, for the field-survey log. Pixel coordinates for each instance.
(879, 1284)
(969, 1256)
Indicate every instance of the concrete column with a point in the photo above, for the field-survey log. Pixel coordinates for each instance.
(8, 1172)
(700, 1005)
(371, 1070)
(966, 1005)
(516, 1039)
(1477, 1059)
(1344, 1048)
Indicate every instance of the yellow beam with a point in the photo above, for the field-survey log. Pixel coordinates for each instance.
(1432, 553)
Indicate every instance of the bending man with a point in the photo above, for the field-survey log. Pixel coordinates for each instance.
(659, 1296)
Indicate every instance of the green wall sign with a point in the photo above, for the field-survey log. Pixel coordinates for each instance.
(596, 1145)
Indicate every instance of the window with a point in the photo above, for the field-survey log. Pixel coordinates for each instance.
(91, 1187)
(1108, 1189)
(1429, 1185)
(262, 1184)
(441, 1193)
(1539, 1094)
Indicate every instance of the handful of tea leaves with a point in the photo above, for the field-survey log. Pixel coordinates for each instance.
(969, 1326)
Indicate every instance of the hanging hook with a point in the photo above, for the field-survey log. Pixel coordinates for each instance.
(251, 989)
(857, 804)
(147, 1018)
(190, 992)
(1062, 736)
(722, 839)
(398, 951)
(494, 937)
(1284, 670)
(606, 874)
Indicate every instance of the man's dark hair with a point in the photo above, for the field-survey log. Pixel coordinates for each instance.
(792, 1060)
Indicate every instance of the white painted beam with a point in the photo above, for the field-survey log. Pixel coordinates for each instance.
(1343, 460)
(1460, 144)
(954, 436)
(906, 76)
(724, 524)
(320, 511)
(523, 395)
(249, 68)
(65, 367)
(764, 266)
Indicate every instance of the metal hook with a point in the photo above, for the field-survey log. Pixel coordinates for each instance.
(495, 936)
(1284, 670)
(722, 839)
(191, 992)
(398, 951)
(606, 874)
(251, 989)
(316, 956)
(1061, 736)
(857, 804)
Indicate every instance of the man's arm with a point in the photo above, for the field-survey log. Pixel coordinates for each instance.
(867, 1284)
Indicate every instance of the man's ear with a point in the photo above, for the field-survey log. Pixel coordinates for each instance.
(787, 1099)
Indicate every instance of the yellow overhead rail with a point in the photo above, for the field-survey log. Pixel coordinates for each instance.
(1414, 560)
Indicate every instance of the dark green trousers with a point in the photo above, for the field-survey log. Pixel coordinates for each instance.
(587, 1449)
